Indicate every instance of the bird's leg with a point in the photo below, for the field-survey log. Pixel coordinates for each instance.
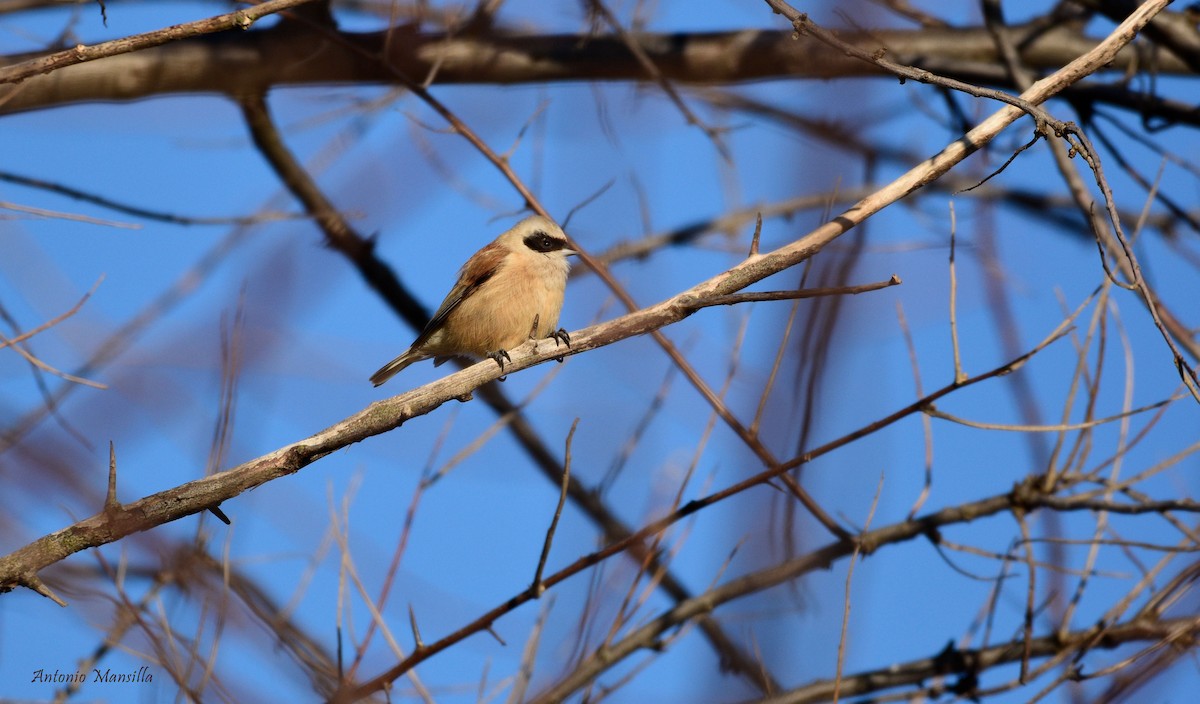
(533, 330)
(499, 356)
(560, 336)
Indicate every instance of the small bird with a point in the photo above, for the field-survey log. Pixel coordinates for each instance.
(504, 292)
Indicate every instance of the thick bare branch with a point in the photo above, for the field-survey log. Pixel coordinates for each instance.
(293, 54)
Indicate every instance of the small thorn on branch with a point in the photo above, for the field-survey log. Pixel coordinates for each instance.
(33, 582)
(757, 234)
(496, 635)
(416, 632)
(111, 505)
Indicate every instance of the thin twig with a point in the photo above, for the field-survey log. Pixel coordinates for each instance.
(239, 19)
(926, 424)
(29, 357)
(933, 412)
(769, 385)
(648, 64)
(53, 321)
(538, 586)
(1030, 595)
(160, 216)
(959, 374)
(525, 673)
(858, 547)
(60, 215)
(735, 298)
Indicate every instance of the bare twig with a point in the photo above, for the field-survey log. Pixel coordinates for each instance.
(239, 19)
(525, 673)
(769, 385)
(657, 76)
(53, 321)
(734, 298)
(933, 412)
(86, 197)
(538, 586)
(29, 357)
(60, 215)
(841, 652)
(959, 375)
(926, 425)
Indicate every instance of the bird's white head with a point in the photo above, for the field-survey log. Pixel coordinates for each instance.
(537, 238)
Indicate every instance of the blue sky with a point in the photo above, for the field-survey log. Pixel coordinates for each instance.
(314, 333)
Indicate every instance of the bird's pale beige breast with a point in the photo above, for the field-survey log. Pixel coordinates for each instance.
(500, 314)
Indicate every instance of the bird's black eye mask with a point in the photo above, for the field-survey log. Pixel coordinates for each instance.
(541, 242)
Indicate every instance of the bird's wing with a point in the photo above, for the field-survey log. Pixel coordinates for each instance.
(478, 269)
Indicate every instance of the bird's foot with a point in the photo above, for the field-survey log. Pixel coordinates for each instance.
(560, 336)
(499, 356)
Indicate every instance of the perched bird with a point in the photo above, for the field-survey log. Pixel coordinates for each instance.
(504, 293)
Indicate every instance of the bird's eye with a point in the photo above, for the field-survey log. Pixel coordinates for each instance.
(541, 242)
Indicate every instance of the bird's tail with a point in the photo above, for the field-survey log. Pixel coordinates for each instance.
(394, 367)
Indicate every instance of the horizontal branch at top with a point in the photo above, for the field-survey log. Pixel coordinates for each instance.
(293, 54)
